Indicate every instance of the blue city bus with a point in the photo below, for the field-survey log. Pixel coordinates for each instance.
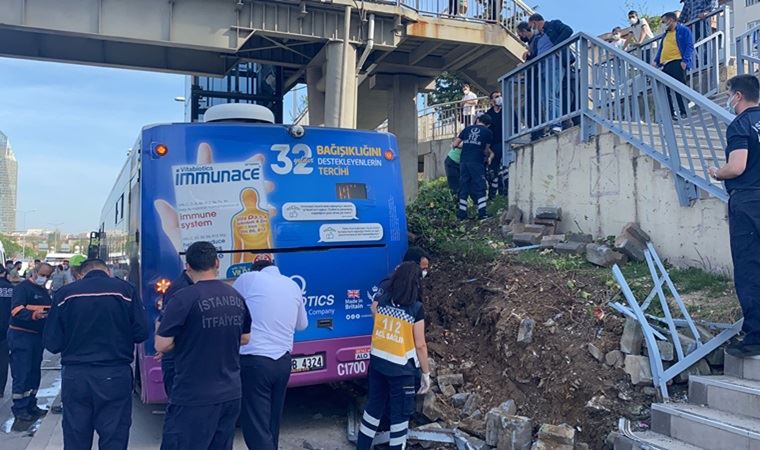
(325, 204)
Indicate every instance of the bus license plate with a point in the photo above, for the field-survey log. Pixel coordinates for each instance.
(308, 363)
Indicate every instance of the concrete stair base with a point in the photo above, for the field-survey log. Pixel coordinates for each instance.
(705, 427)
(725, 393)
(745, 368)
(649, 440)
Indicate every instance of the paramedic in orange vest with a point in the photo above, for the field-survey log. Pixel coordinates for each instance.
(398, 349)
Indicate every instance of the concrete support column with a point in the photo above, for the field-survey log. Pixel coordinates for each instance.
(340, 91)
(402, 122)
(315, 91)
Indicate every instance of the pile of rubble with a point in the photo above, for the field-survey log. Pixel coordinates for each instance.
(501, 428)
(542, 233)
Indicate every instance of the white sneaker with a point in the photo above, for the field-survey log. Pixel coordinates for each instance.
(556, 129)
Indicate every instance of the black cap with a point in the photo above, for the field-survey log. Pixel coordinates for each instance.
(485, 119)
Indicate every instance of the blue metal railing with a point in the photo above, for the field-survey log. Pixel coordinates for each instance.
(676, 329)
(602, 86)
(508, 13)
(748, 52)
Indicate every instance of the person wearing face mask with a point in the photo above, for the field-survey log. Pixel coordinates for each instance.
(29, 309)
(675, 57)
(531, 111)
(469, 103)
(617, 38)
(741, 175)
(69, 277)
(642, 32)
(495, 171)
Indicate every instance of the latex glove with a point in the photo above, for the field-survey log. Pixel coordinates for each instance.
(37, 315)
(424, 384)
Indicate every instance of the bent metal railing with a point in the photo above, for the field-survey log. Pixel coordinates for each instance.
(748, 52)
(508, 13)
(675, 326)
(602, 86)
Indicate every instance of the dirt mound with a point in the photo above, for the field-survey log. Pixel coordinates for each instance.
(474, 312)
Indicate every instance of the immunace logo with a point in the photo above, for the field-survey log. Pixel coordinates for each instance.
(313, 300)
(208, 175)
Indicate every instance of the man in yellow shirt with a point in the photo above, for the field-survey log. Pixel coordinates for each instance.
(675, 56)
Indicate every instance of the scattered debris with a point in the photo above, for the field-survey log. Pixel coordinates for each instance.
(507, 432)
(548, 212)
(595, 352)
(451, 379)
(700, 368)
(570, 248)
(431, 408)
(552, 240)
(638, 368)
(615, 358)
(472, 404)
(601, 255)
(557, 437)
(509, 407)
(526, 238)
(667, 352)
(630, 341)
(525, 333)
(458, 400)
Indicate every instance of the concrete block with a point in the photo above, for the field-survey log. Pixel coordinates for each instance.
(557, 434)
(507, 432)
(595, 352)
(615, 358)
(525, 239)
(452, 379)
(430, 407)
(447, 390)
(638, 368)
(633, 229)
(534, 228)
(746, 368)
(630, 341)
(525, 333)
(570, 248)
(472, 404)
(547, 222)
(700, 368)
(601, 255)
(458, 400)
(509, 407)
(631, 247)
(552, 240)
(549, 212)
(511, 215)
(667, 351)
(580, 237)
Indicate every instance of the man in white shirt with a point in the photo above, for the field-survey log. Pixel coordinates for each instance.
(469, 103)
(277, 312)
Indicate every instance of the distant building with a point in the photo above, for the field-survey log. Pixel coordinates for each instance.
(746, 15)
(8, 185)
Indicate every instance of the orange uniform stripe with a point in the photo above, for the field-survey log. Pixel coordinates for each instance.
(20, 308)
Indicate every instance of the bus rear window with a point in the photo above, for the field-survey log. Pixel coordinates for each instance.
(351, 191)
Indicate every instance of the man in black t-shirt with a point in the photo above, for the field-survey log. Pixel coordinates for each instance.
(475, 141)
(742, 177)
(204, 324)
(497, 173)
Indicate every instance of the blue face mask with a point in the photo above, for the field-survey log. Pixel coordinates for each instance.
(730, 105)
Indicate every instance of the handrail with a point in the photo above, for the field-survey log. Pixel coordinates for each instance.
(626, 96)
(748, 52)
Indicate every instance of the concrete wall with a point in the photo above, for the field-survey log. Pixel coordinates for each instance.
(605, 183)
(433, 154)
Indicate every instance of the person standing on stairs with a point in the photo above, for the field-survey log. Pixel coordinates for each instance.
(675, 57)
(741, 174)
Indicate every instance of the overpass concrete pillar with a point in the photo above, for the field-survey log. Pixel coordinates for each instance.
(402, 121)
(315, 91)
(340, 86)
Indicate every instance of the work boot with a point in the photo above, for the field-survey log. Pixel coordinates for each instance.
(37, 411)
(742, 350)
(24, 417)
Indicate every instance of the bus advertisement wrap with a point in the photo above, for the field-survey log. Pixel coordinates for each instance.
(327, 208)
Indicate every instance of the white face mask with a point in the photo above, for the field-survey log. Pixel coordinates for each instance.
(633, 20)
(535, 31)
(466, 91)
(424, 273)
(616, 36)
(498, 101)
(730, 105)
(40, 280)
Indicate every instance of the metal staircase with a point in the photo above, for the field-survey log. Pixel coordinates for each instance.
(609, 89)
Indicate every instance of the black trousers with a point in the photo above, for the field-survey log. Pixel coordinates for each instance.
(26, 360)
(97, 399)
(472, 184)
(167, 372)
(452, 175)
(744, 229)
(207, 427)
(674, 69)
(495, 173)
(265, 381)
(4, 363)
(394, 395)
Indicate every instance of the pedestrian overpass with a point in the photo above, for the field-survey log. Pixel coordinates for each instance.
(363, 62)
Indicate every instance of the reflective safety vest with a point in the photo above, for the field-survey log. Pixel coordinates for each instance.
(393, 334)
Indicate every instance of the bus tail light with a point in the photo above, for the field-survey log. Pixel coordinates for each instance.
(389, 155)
(162, 286)
(161, 150)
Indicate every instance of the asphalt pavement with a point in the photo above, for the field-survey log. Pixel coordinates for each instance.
(315, 418)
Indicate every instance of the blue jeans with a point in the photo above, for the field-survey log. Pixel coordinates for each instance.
(553, 73)
(399, 394)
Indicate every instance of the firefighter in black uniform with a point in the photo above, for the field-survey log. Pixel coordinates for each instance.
(6, 294)
(95, 323)
(475, 141)
(29, 308)
(167, 359)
